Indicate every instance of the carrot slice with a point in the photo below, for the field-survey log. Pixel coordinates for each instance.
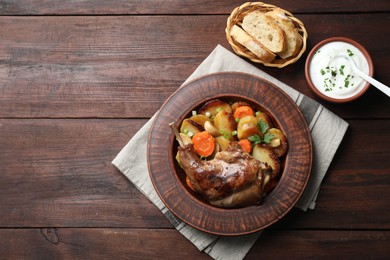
(204, 143)
(246, 145)
(243, 111)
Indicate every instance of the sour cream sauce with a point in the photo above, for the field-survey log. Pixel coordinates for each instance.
(333, 75)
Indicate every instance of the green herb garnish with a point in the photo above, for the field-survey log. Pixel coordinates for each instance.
(255, 139)
(225, 134)
(328, 84)
(346, 81)
(342, 69)
(263, 127)
(267, 138)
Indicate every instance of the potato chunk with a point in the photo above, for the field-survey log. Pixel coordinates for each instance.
(265, 117)
(247, 126)
(190, 127)
(225, 124)
(212, 107)
(266, 155)
(222, 142)
(209, 127)
(278, 143)
(200, 119)
(185, 139)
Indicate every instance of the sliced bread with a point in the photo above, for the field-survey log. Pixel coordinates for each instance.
(293, 38)
(266, 30)
(240, 36)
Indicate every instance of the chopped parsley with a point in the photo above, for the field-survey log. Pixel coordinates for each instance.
(332, 73)
(255, 139)
(263, 126)
(267, 137)
(346, 81)
(328, 84)
(350, 53)
(226, 134)
(342, 69)
(332, 70)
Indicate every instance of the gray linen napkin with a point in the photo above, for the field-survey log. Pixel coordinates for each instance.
(327, 131)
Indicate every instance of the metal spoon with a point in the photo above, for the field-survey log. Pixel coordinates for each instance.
(382, 87)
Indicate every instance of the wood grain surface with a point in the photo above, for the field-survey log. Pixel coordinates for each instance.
(104, 243)
(79, 78)
(105, 66)
(137, 7)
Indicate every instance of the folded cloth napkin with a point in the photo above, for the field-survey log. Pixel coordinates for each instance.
(327, 131)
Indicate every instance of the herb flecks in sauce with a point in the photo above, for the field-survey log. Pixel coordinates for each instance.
(329, 70)
(342, 69)
(346, 81)
(333, 71)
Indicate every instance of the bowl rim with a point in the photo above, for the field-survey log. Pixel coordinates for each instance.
(338, 39)
(243, 227)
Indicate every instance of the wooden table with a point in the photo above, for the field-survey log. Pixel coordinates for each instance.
(79, 78)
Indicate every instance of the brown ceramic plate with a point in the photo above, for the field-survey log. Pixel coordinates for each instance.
(169, 179)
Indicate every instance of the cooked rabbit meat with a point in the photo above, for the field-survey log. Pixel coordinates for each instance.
(231, 171)
(251, 195)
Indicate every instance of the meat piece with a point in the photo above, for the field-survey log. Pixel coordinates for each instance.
(232, 179)
(251, 195)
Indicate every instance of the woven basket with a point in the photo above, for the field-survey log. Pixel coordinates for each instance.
(238, 15)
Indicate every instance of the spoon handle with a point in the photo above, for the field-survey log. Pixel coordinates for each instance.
(382, 87)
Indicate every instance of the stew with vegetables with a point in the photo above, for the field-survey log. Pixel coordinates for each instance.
(231, 153)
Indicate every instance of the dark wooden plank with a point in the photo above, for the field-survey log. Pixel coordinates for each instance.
(356, 180)
(58, 173)
(347, 200)
(92, 243)
(107, 243)
(46, 7)
(119, 66)
(312, 244)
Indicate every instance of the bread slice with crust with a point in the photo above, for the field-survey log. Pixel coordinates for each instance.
(266, 30)
(293, 38)
(240, 36)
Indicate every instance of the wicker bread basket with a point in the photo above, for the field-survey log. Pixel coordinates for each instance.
(238, 15)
